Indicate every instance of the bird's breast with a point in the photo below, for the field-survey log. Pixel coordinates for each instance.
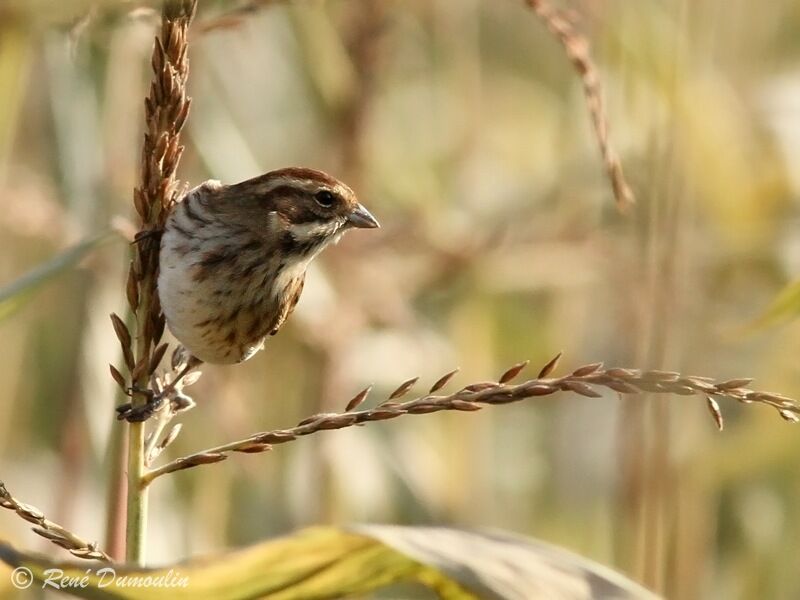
(218, 290)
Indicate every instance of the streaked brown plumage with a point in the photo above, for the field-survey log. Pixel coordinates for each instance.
(233, 257)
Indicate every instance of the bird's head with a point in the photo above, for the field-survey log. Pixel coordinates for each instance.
(308, 208)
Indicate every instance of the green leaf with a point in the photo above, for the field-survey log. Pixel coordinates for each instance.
(14, 295)
(328, 562)
(785, 306)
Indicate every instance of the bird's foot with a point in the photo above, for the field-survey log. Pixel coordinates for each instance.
(138, 414)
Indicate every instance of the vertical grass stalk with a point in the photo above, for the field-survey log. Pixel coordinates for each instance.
(166, 109)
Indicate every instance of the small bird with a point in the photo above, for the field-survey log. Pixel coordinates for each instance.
(233, 258)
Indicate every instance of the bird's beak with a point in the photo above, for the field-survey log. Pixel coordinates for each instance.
(361, 217)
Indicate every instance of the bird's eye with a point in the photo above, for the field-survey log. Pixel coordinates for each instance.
(325, 198)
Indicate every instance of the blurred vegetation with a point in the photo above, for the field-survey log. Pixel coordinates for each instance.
(464, 129)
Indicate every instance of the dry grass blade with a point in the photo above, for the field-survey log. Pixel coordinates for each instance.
(443, 381)
(356, 400)
(550, 366)
(403, 388)
(52, 531)
(512, 372)
(577, 49)
(716, 414)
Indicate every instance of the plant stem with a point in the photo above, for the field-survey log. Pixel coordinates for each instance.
(136, 525)
(116, 496)
(136, 528)
(473, 397)
(166, 109)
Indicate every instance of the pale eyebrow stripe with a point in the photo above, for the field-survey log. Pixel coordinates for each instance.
(307, 185)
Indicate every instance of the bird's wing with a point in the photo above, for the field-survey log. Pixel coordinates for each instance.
(291, 298)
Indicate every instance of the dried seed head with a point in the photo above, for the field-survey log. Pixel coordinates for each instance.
(140, 368)
(158, 327)
(181, 403)
(700, 383)
(180, 357)
(47, 534)
(655, 375)
(335, 421)
(623, 373)
(581, 388)
(442, 381)
(713, 408)
(253, 448)
(587, 369)
(311, 419)
(384, 414)
(536, 389)
(171, 436)
(620, 386)
(403, 388)
(155, 360)
(649, 386)
(191, 378)
(512, 372)
(30, 513)
(205, 458)
(356, 401)
(124, 337)
(389, 404)
(274, 437)
(464, 405)
(682, 390)
(118, 377)
(132, 289)
(480, 386)
(734, 383)
(550, 366)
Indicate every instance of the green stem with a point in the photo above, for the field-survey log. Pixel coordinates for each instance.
(136, 524)
(116, 496)
(136, 527)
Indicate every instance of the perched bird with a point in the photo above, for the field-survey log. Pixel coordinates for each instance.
(233, 258)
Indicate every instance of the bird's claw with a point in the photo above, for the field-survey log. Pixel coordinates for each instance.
(138, 414)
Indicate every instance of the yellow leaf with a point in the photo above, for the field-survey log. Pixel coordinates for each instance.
(329, 562)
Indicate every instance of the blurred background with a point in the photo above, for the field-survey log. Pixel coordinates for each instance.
(463, 128)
